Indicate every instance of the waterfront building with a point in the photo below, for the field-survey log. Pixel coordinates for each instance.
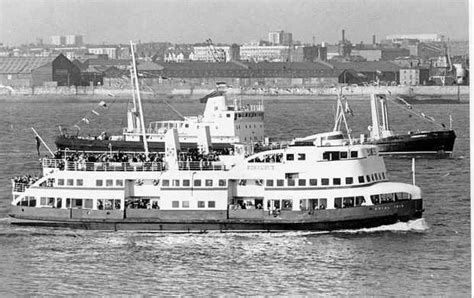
(38, 71)
(210, 53)
(414, 76)
(278, 53)
(389, 54)
(367, 72)
(70, 52)
(458, 47)
(309, 53)
(174, 57)
(234, 52)
(104, 61)
(331, 51)
(427, 50)
(113, 52)
(421, 37)
(247, 74)
(369, 54)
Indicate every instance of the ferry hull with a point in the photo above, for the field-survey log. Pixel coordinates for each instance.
(226, 221)
(439, 143)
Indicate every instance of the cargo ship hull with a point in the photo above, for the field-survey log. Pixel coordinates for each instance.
(436, 143)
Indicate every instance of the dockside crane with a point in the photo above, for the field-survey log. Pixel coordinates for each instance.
(217, 54)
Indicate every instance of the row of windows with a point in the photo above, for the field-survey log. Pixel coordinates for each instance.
(248, 126)
(165, 182)
(285, 204)
(187, 182)
(339, 202)
(109, 182)
(186, 204)
(347, 202)
(102, 204)
(241, 115)
(254, 138)
(325, 181)
(329, 155)
(70, 182)
(338, 155)
(80, 182)
(389, 197)
(300, 156)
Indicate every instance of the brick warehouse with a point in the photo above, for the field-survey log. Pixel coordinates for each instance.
(38, 71)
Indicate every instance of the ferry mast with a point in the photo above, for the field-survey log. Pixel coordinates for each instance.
(136, 87)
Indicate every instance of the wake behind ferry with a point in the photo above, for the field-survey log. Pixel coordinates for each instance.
(309, 185)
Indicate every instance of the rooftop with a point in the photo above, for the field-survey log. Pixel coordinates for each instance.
(368, 66)
(17, 65)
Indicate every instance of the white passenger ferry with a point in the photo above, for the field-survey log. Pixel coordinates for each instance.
(300, 187)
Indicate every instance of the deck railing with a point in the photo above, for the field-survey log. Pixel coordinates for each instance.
(130, 166)
(103, 166)
(19, 186)
(200, 166)
(115, 166)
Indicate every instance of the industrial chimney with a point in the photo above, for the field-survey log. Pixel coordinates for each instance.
(343, 35)
(373, 39)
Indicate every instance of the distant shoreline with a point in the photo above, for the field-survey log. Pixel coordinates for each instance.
(449, 94)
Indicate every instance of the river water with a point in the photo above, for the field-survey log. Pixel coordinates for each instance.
(430, 256)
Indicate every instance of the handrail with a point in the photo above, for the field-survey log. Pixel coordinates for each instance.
(19, 186)
(114, 166)
(200, 166)
(130, 166)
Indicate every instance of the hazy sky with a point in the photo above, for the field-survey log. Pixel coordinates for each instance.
(189, 21)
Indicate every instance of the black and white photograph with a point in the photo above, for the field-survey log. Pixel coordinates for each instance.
(235, 148)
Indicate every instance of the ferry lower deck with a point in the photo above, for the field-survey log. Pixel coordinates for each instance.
(220, 220)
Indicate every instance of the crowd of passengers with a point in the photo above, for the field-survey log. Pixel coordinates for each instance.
(25, 179)
(141, 204)
(269, 158)
(108, 157)
(190, 155)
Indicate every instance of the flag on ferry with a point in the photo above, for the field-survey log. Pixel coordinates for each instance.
(38, 144)
(348, 109)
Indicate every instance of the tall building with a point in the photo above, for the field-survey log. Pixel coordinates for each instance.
(58, 40)
(234, 52)
(75, 40)
(286, 38)
(274, 37)
(280, 38)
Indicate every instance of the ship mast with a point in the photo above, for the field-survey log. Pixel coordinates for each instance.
(136, 88)
(340, 117)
